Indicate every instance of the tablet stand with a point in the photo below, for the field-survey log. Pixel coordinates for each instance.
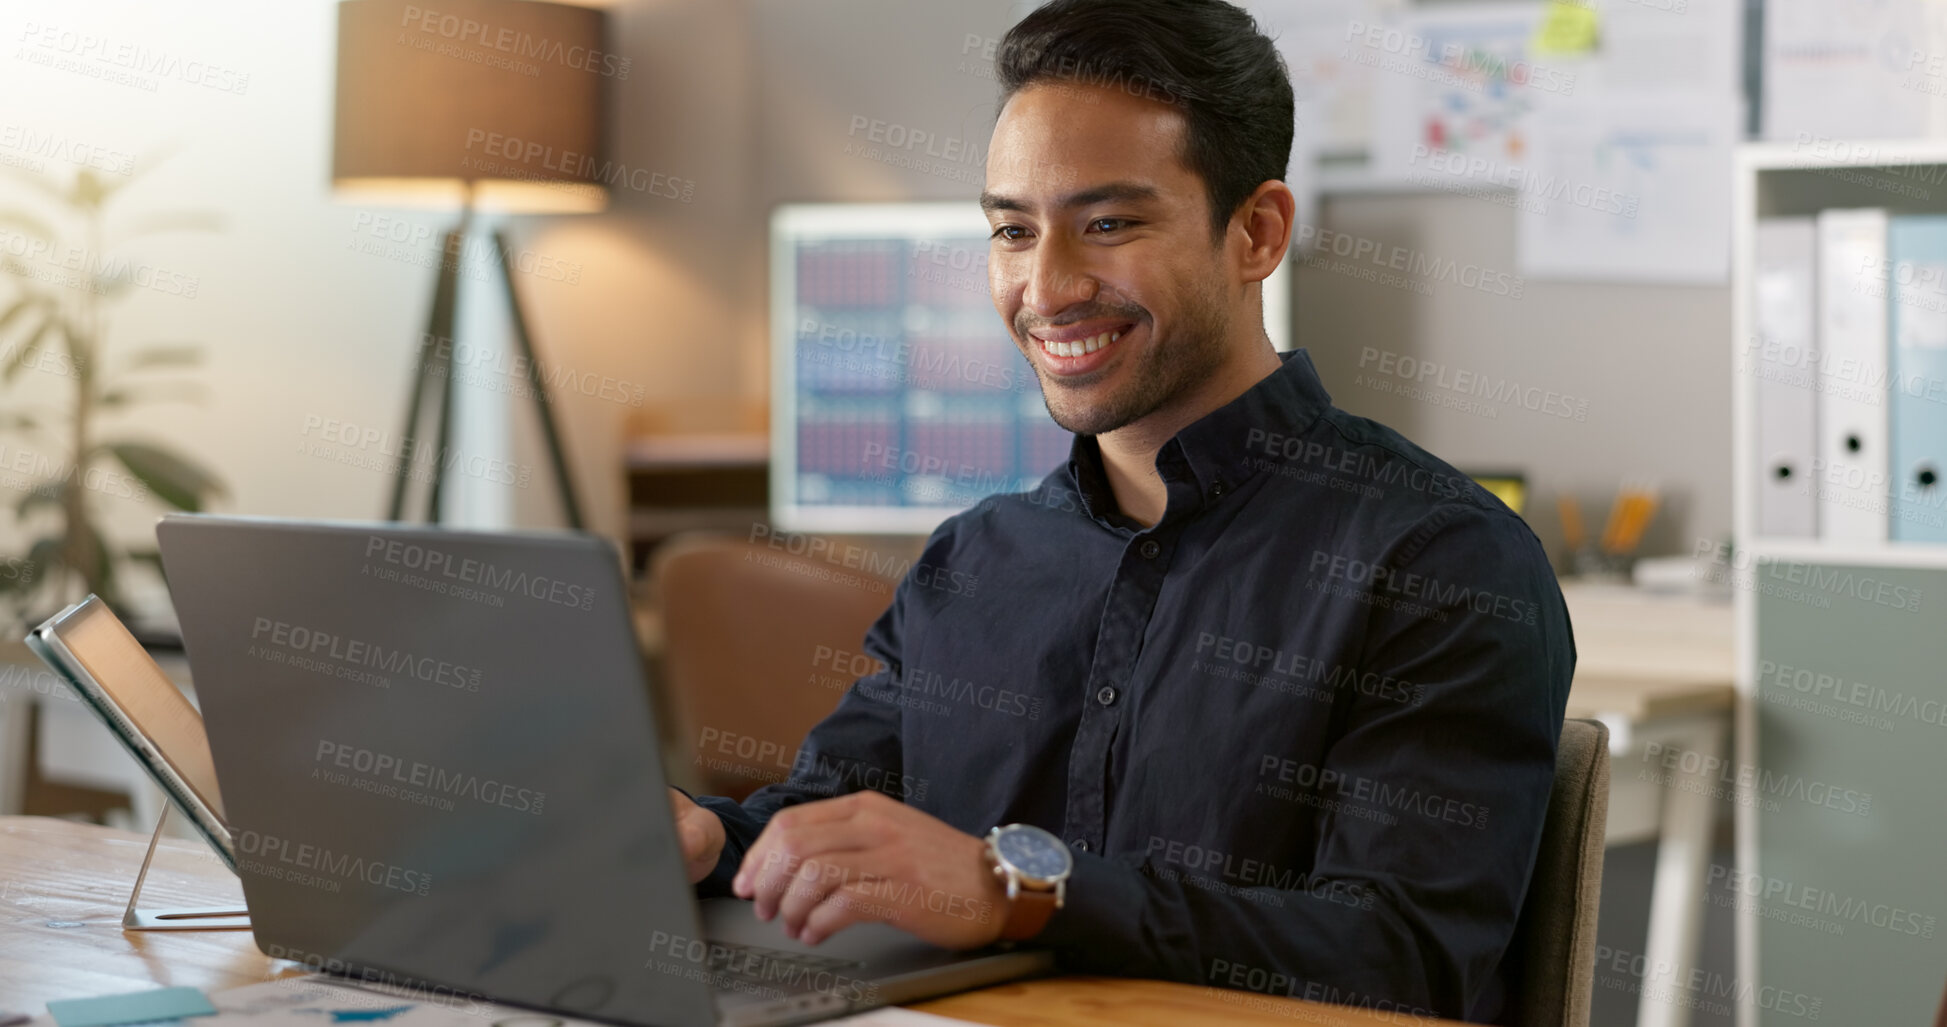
(176, 919)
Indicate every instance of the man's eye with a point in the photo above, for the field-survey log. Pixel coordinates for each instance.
(1113, 224)
(1002, 233)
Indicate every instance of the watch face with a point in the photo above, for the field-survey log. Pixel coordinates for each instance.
(1035, 853)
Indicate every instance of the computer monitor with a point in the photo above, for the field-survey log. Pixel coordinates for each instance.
(898, 397)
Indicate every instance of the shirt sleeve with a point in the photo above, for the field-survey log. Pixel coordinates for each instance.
(855, 748)
(1430, 813)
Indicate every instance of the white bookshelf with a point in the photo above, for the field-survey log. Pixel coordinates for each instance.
(1784, 180)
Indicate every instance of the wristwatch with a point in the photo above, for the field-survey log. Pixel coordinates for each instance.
(1035, 865)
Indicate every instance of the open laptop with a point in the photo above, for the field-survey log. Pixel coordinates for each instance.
(439, 763)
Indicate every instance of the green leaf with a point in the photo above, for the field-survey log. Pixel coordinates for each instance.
(13, 313)
(154, 157)
(41, 182)
(187, 392)
(99, 572)
(179, 221)
(16, 575)
(147, 558)
(89, 190)
(47, 493)
(115, 285)
(175, 480)
(180, 355)
(37, 566)
(46, 553)
(27, 223)
(19, 357)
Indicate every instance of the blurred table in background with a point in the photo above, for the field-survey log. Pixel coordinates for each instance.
(1659, 670)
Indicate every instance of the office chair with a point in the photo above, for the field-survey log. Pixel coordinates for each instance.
(1554, 940)
(759, 646)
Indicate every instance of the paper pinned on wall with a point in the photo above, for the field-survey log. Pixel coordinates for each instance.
(1629, 178)
(1319, 40)
(1873, 70)
(1630, 188)
(1651, 47)
(1568, 28)
(1455, 86)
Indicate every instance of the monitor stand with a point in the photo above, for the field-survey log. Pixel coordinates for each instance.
(176, 919)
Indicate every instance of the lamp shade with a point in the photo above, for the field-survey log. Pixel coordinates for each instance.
(502, 99)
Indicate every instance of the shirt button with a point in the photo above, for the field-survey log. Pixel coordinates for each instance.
(1105, 695)
(1080, 845)
(1216, 490)
(1150, 548)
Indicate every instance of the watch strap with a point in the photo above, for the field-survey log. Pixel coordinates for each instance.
(1028, 913)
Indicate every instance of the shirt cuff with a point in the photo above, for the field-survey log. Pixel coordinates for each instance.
(1100, 916)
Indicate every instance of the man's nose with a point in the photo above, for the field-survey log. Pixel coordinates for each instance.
(1056, 281)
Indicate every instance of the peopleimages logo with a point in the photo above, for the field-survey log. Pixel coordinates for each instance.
(297, 638)
(410, 774)
(518, 44)
(468, 571)
(315, 866)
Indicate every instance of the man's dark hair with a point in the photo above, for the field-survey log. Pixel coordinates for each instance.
(1206, 57)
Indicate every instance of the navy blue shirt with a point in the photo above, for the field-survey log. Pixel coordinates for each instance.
(1299, 734)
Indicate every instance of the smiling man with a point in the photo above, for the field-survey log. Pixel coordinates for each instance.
(1255, 693)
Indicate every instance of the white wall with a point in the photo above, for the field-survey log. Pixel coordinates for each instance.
(309, 309)
(293, 323)
(1649, 365)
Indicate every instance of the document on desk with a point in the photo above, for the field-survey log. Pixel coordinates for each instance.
(318, 1001)
(893, 1016)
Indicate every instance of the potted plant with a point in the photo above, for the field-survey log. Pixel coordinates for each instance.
(61, 388)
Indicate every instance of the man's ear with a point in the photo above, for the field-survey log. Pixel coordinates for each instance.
(1263, 225)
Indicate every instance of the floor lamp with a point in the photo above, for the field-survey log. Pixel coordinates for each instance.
(484, 105)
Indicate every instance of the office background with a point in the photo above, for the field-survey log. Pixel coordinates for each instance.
(306, 305)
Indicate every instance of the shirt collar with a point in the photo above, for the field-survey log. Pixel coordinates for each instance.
(1213, 455)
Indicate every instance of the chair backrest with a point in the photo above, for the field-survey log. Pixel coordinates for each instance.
(1554, 941)
(758, 646)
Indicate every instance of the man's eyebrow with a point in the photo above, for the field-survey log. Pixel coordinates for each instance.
(1125, 192)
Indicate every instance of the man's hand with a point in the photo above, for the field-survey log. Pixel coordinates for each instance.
(701, 834)
(869, 857)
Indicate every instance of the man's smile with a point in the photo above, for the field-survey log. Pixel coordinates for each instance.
(1080, 348)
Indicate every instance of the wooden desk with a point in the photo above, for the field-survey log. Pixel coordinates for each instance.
(63, 886)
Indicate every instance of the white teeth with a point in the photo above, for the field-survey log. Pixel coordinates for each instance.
(1080, 347)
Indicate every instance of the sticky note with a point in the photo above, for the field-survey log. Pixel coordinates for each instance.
(137, 1007)
(1567, 28)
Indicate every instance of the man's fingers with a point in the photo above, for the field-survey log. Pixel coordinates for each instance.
(699, 832)
(841, 909)
(768, 870)
(797, 893)
(782, 846)
(815, 879)
(696, 840)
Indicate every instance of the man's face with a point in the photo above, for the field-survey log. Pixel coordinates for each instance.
(1103, 264)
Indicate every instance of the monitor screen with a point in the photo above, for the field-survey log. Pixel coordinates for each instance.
(898, 397)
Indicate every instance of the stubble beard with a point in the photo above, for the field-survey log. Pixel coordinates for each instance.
(1171, 368)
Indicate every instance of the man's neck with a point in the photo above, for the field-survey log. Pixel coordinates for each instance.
(1129, 452)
